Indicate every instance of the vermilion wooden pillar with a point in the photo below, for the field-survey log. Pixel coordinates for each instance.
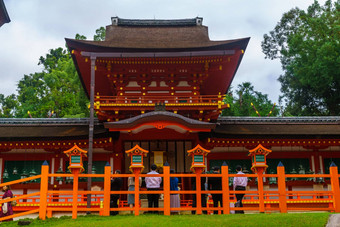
(333, 170)
(281, 184)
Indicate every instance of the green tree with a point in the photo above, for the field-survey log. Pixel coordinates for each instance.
(308, 46)
(80, 37)
(56, 89)
(100, 34)
(51, 60)
(246, 100)
(8, 106)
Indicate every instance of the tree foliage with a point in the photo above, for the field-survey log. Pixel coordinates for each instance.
(8, 106)
(80, 37)
(247, 101)
(308, 46)
(100, 34)
(56, 91)
(51, 60)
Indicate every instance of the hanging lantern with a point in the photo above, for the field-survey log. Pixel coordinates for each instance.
(15, 171)
(32, 174)
(68, 180)
(293, 172)
(94, 170)
(24, 175)
(231, 180)
(83, 179)
(5, 175)
(310, 178)
(59, 179)
(320, 179)
(301, 171)
(272, 180)
(246, 171)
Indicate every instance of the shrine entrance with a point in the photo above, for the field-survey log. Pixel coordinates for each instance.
(172, 151)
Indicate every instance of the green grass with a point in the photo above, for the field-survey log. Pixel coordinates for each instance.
(295, 219)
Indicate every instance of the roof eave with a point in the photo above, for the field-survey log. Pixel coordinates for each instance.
(88, 46)
(6, 18)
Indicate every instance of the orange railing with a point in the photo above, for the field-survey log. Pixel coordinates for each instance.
(260, 200)
(157, 99)
(183, 101)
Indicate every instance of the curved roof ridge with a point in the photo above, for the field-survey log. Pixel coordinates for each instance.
(164, 113)
(156, 22)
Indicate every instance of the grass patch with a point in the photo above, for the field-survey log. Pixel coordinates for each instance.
(294, 219)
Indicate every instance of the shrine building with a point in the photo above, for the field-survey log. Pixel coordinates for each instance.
(161, 84)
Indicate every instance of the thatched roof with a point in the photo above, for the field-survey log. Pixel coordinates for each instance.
(157, 34)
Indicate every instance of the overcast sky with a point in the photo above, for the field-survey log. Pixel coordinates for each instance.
(39, 25)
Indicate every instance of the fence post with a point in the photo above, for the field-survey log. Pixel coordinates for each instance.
(333, 170)
(281, 184)
(225, 189)
(43, 190)
(107, 189)
(260, 189)
(198, 191)
(75, 172)
(137, 171)
(166, 179)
